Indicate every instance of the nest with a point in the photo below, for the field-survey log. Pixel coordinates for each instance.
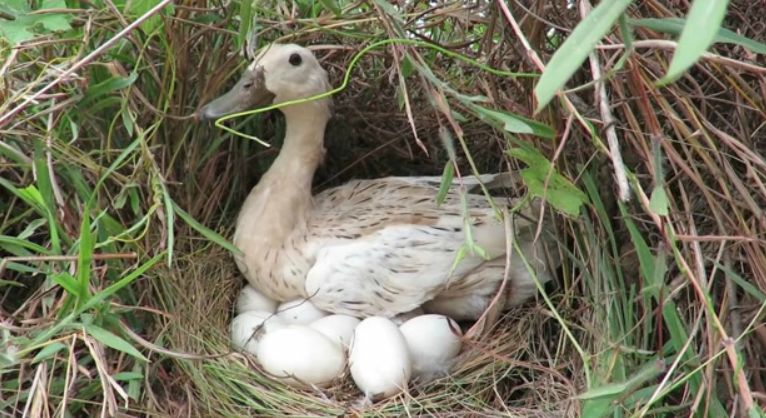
(646, 302)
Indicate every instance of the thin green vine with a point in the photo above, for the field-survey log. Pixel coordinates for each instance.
(357, 57)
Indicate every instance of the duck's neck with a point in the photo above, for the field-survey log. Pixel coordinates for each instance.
(281, 201)
(303, 148)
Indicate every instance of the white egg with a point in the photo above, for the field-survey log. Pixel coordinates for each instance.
(338, 328)
(431, 343)
(379, 359)
(246, 330)
(297, 353)
(250, 299)
(404, 317)
(299, 312)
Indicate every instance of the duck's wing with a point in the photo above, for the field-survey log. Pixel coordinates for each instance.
(384, 248)
(505, 180)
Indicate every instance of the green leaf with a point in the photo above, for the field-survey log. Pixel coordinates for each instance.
(113, 341)
(127, 152)
(207, 233)
(140, 7)
(447, 177)
(66, 281)
(135, 385)
(331, 6)
(45, 195)
(560, 193)
(755, 412)
(50, 332)
(615, 390)
(389, 9)
(106, 87)
(13, 241)
(700, 30)
(743, 283)
(24, 24)
(461, 253)
(85, 257)
(246, 22)
(48, 351)
(31, 229)
(8, 282)
(570, 56)
(596, 408)
(32, 197)
(658, 203)
(407, 69)
(114, 288)
(171, 221)
(516, 124)
(22, 268)
(675, 26)
(481, 252)
(126, 376)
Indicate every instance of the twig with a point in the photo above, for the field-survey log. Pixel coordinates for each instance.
(745, 393)
(716, 238)
(661, 44)
(606, 115)
(619, 169)
(109, 402)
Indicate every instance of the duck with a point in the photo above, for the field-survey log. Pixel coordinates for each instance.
(370, 247)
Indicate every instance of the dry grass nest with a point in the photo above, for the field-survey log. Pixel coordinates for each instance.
(649, 305)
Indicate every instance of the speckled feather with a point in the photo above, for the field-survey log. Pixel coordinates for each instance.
(369, 247)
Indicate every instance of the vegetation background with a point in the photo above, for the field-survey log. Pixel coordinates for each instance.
(645, 134)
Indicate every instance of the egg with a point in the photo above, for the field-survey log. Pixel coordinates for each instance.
(250, 299)
(300, 356)
(404, 317)
(379, 358)
(431, 343)
(338, 328)
(299, 312)
(246, 330)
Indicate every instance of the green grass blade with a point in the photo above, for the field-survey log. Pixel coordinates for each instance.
(570, 56)
(744, 284)
(701, 28)
(331, 6)
(246, 16)
(49, 351)
(514, 123)
(106, 87)
(116, 164)
(67, 282)
(675, 26)
(206, 232)
(113, 341)
(49, 333)
(6, 242)
(85, 249)
(560, 192)
(447, 177)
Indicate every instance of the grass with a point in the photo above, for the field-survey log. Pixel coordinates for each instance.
(117, 280)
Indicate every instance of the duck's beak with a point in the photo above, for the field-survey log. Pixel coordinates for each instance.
(250, 92)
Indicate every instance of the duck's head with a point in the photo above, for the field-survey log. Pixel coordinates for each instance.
(279, 73)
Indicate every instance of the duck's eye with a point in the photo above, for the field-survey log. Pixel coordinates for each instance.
(248, 85)
(295, 60)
